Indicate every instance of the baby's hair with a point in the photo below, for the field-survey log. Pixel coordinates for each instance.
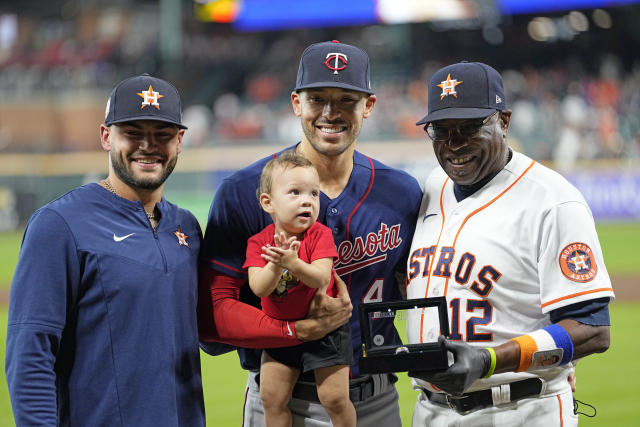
(288, 159)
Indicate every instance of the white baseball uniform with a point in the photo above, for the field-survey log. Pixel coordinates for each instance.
(521, 246)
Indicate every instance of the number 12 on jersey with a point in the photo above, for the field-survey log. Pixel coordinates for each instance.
(477, 312)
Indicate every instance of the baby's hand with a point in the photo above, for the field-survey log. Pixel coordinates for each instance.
(281, 240)
(283, 255)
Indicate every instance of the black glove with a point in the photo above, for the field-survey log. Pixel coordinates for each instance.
(469, 364)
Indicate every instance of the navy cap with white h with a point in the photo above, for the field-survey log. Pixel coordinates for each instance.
(144, 98)
(466, 90)
(334, 64)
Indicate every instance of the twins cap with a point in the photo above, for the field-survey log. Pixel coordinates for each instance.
(144, 98)
(466, 90)
(334, 64)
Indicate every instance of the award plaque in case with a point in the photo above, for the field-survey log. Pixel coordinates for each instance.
(380, 357)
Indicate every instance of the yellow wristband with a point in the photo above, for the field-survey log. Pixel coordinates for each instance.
(492, 366)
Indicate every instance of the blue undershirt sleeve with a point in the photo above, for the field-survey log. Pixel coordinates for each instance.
(594, 312)
(43, 288)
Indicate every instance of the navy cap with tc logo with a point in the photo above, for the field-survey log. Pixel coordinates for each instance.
(334, 64)
(144, 98)
(466, 90)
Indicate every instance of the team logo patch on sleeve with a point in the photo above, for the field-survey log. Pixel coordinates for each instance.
(577, 262)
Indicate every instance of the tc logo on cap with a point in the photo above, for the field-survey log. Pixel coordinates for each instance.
(339, 61)
(150, 97)
(449, 87)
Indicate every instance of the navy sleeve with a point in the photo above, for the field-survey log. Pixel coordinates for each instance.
(234, 217)
(594, 312)
(44, 286)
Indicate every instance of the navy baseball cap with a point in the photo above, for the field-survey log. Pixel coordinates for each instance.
(144, 98)
(334, 64)
(466, 90)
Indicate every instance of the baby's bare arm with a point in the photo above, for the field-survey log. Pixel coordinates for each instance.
(263, 280)
(315, 275)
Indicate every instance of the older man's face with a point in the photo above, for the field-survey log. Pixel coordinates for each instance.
(468, 159)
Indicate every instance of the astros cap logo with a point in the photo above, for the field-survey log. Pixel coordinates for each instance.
(577, 262)
(150, 97)
(339, 61)
(448, 87)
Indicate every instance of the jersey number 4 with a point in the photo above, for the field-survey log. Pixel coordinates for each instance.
(481, 307)
(374, 293)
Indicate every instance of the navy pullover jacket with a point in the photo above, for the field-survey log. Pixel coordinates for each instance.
(102, 316)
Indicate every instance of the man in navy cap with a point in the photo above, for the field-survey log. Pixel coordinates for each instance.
(513, 247)
(102, 321)
(371, 210)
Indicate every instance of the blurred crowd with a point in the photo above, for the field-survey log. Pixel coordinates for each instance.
(56, 70)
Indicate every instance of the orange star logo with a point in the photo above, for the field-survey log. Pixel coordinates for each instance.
(150, 97)
(448, 87)
(182, 238)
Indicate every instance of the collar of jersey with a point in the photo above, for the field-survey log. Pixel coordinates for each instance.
(122, 202)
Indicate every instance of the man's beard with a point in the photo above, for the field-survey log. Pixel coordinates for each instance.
(125, 175)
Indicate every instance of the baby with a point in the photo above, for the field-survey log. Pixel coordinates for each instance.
(288, 262)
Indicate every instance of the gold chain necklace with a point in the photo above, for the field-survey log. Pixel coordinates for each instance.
(150, 215)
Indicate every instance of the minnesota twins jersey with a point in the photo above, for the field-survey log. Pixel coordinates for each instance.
(523, 245)
(372, 222)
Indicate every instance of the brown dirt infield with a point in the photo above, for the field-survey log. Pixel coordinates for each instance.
(626, 287)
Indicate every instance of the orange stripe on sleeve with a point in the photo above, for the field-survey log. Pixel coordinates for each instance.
(528, 346)
(576, 295)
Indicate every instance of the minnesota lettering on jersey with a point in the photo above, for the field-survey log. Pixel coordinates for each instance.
(421, 260)
(375, 245)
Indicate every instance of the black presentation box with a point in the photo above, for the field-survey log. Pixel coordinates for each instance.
(406, 357)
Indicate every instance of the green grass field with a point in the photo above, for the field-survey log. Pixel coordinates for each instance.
(606, 381)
